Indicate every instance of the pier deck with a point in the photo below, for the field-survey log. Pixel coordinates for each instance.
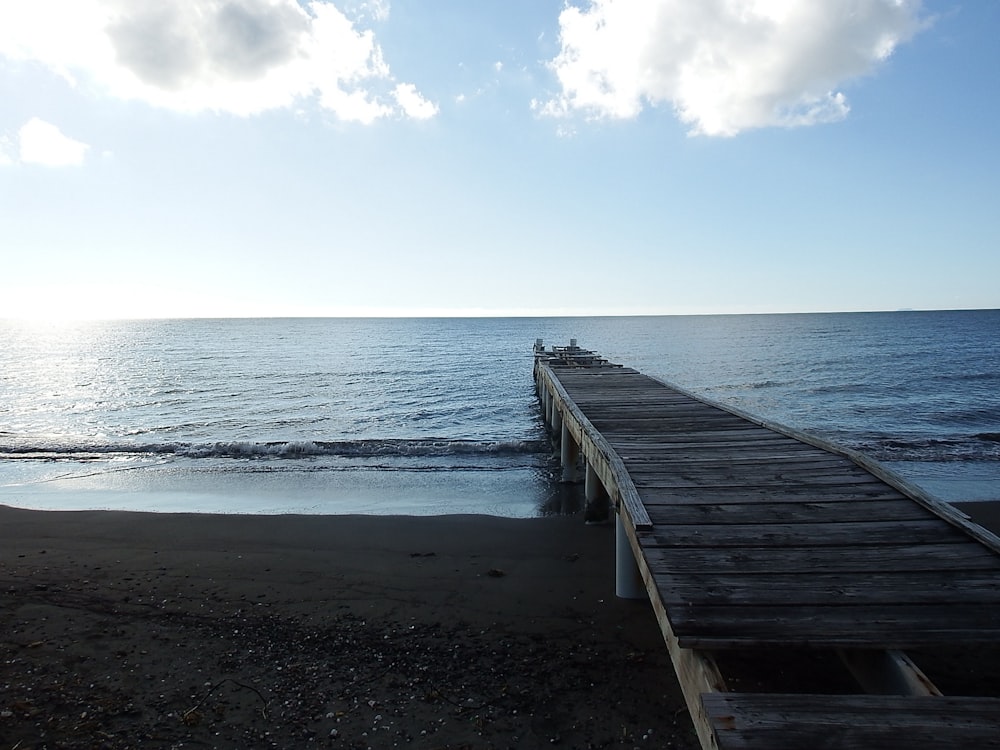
(749, 536)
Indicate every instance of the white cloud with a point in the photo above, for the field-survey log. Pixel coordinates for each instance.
(724, 66)
(43, 143)
(237, 56)
(412, 103)
(378, 9)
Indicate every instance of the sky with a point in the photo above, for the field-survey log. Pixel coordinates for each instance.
(218, 158)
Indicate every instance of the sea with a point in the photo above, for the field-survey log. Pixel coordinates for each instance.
(428, 416)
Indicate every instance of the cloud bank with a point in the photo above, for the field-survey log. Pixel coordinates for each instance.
(723, 66)
(236, 56)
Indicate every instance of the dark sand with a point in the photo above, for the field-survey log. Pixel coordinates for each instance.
(190, 631)
(142, 630)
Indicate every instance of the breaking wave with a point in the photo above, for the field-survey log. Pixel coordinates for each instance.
(294, 449)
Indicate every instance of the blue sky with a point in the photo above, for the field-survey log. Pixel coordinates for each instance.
(273, 157)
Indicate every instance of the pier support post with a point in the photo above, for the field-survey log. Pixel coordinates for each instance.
(596, 507)
(628, 580)
(569, 453)
(556, 421)
(547, 407)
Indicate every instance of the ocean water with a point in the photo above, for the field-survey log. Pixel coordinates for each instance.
(432, 416)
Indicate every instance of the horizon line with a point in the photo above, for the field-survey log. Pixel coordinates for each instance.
(463, 314)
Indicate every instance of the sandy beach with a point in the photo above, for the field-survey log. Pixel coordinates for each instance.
(148, 630)
(170, 630)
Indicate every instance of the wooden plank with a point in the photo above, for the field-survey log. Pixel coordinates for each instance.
(671, 446)
(641, 459)
(760, 721)
(652, 480)
(813, 511)
(686, 443)
(801, 534)
(853, 626)
(712, 495)
(956, 555)
(831, 589)
(799, 468)
(634, 414)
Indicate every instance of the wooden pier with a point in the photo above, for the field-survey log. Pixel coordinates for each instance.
(751, 538)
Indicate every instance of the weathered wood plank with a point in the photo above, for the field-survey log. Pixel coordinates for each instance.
(882, 558)
(801, 534)
(683, 446)
(862, 625)
(691, 476)
(843, 511)
(748, 469)
(830, 589)
(744, 721)
(711, 494)
(653, 458)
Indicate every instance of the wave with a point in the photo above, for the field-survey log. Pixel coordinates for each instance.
(983, 446)
(755, 385)
(421, 447)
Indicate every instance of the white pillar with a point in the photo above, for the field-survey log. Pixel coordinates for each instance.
(628, 580)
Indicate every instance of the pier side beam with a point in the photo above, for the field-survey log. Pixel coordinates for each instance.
(628, 578)
(569, 452)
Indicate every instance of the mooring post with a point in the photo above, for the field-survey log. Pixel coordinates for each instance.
(628, 580)
(569, 453)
